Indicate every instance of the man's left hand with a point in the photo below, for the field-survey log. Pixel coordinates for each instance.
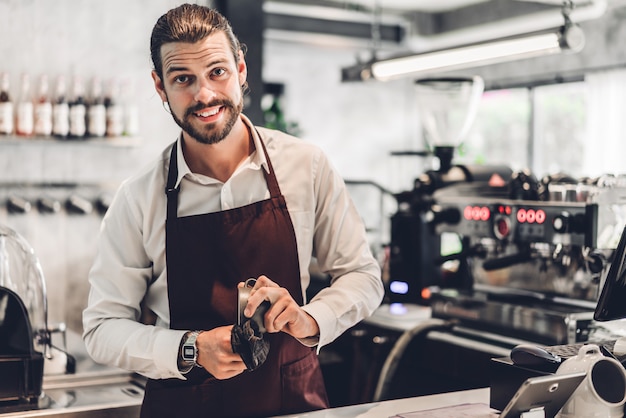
(284, 314)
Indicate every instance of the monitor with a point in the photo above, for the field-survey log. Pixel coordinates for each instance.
(612, 301)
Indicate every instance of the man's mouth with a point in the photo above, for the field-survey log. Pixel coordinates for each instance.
(205, 113)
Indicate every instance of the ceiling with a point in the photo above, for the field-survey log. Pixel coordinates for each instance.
(409, 6)
(414, 5)
(420, 25)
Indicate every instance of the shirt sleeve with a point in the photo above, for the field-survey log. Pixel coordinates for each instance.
(342, 250)
(119, 278)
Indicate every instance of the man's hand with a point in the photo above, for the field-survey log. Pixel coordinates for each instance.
(216, 355)
(284, 314)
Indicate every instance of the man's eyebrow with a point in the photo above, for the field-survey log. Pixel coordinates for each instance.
(170, 70)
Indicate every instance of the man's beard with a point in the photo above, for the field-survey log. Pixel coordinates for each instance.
(211, 134)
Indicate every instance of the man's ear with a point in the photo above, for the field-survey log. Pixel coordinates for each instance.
(158, 85)
(242, 69)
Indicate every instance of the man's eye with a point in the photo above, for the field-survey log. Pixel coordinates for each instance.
(181, 79)
(219, 71)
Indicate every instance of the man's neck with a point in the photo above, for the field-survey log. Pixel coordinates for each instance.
(220, 160)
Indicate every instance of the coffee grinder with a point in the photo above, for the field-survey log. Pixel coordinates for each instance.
(447, 108)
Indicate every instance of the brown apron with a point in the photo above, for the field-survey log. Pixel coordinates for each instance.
(207, 255)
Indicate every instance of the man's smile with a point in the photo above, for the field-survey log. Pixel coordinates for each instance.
(207, 113)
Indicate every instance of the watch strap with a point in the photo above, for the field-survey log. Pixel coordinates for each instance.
(188, 353)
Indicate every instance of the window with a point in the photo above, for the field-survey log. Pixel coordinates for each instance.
(500, 131)
(571, 128)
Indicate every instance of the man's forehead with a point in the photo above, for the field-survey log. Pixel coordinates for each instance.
(213, 47)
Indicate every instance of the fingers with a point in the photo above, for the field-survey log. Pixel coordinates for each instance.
(215, 353)
(264, 281)
(282, 313)
(264, 289)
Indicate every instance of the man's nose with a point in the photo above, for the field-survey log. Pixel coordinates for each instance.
(204, 92)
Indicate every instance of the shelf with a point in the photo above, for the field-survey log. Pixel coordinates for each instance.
(121, 141)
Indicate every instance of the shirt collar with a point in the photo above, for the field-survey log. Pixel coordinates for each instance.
(256, 160)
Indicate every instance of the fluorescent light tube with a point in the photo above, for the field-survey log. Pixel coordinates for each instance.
(468, 56)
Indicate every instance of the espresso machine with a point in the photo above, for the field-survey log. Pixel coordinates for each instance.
(481, 258)
(447, 108)
(496, 250)
(535, 262)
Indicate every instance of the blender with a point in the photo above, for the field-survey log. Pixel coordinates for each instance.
(25, 343)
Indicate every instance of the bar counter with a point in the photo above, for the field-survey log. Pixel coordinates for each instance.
(400, 407)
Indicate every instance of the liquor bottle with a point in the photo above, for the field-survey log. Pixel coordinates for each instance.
(131, 110)
(43, 108)
(78, 109)
(25, 112)
(96, 113)
(60, 110)
(114, 110)
(6, 106)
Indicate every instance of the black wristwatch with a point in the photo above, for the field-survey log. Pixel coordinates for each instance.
(189, 352)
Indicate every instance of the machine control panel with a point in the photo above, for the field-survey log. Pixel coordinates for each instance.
(556, 223)
(522, 221)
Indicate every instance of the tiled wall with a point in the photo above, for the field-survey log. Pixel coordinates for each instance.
(357, 124)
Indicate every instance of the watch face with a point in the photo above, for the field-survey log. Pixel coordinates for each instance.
(189, 353)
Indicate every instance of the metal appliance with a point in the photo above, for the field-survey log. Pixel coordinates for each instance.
(447, 108)
(498, 250)
(501, 257)
(24, 335)
(534, 264)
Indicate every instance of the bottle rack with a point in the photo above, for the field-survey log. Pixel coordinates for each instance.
(118, 141)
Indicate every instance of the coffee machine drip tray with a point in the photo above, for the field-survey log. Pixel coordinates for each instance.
(549, 322)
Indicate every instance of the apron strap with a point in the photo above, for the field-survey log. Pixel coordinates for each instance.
(270, 178)
(170, 191)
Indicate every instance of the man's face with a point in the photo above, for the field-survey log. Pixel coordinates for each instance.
(202, 84)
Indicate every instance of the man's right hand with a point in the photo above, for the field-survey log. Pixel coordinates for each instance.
(216, 355)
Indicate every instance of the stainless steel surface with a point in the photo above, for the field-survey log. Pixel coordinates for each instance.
(549, 323)
(469, 343)
(98, 395)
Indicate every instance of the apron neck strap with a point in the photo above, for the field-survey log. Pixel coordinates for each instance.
(172, 192)
(270, 178)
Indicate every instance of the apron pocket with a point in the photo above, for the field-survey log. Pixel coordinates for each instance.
(303, 385)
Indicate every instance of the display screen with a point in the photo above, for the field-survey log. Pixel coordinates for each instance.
(612, 301)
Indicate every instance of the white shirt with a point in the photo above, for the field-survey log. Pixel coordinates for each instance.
(130, 262)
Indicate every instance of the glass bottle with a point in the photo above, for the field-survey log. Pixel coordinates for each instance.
(6, 106)
(43, 108)
(78, 110)
(131, 110)
(60, 110)
(96, 113)
(25, 114)
(114, 110)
